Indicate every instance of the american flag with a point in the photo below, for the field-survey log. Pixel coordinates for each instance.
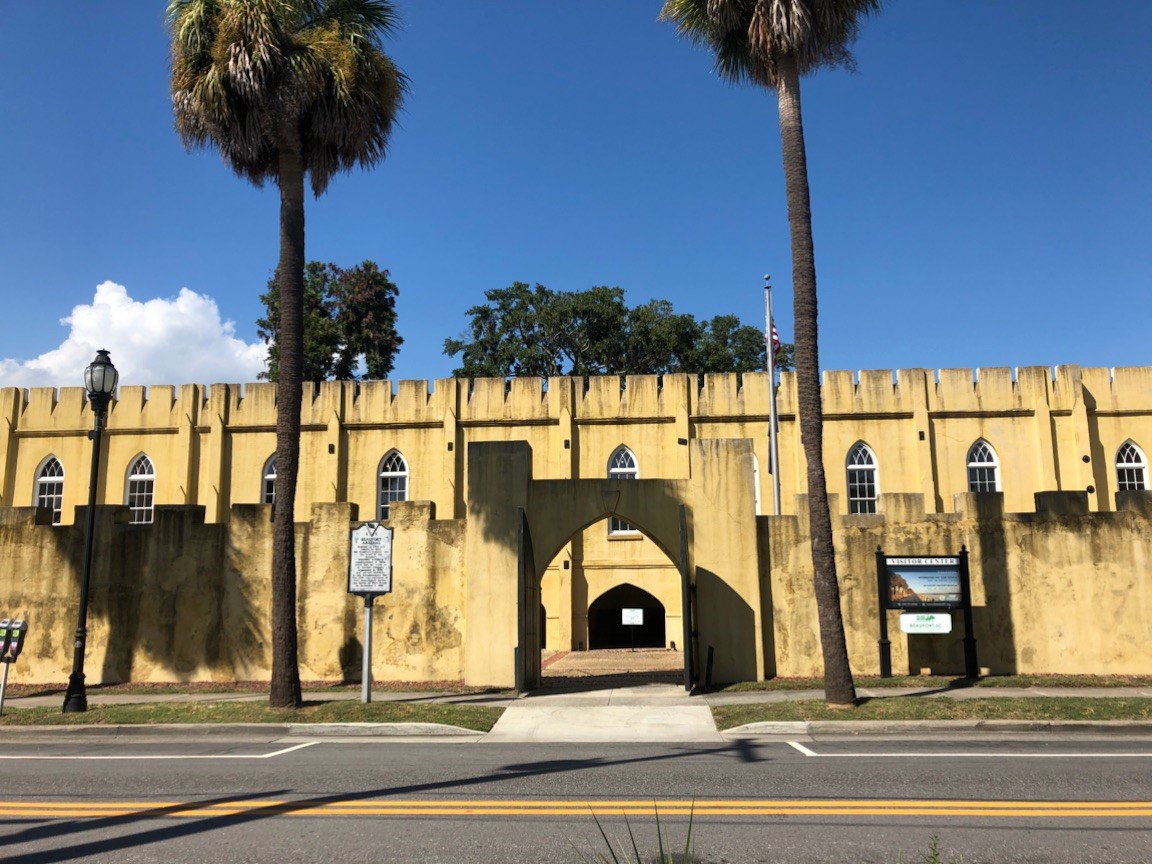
(775, 342)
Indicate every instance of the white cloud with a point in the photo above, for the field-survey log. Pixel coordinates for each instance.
(175, 341)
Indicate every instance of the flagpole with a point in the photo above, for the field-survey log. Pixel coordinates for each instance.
(773, 424)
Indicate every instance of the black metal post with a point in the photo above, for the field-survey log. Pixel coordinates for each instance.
(882, 601)
(971, 664)
(76, 699)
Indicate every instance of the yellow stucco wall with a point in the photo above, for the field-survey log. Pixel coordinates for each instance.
(1052, 430)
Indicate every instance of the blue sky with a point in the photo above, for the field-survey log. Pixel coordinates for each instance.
(981, 187)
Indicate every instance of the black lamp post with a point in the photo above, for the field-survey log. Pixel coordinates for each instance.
(100, 381)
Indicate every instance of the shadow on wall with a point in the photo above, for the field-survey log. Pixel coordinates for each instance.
(168, 596)
(725, 619)
(992, 622)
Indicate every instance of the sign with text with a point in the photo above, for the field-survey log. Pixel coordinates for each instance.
(922, 581)
(926, 623)
(632, 617)
(370, 560)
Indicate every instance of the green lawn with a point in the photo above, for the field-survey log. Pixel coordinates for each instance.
(950, 682)
(478, 718)
(937, 708)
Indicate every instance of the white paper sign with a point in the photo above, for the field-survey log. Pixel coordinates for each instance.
(370, 559)
(632, 617)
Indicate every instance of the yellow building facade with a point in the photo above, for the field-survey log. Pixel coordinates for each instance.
(917, 440)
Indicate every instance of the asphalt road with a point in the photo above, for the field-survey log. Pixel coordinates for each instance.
(1035, 798)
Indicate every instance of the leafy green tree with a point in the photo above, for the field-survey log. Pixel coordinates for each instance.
(526, 331)
(771, 43)
(348, 314)
(284, 89)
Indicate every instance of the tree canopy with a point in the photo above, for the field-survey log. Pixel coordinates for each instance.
(349, 314)
(526, 331)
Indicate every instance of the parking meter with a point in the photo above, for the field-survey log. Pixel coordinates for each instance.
(14, 641)
(12, 634)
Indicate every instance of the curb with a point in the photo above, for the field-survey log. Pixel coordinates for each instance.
(248, 730)
(903, 727)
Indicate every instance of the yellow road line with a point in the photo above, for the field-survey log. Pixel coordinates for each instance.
(681, 807)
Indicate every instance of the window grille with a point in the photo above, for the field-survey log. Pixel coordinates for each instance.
(861, 479)
(622, 466)
(50, 488)
(141, 486)
(983, 468)
(1131, 468)
(393, 482)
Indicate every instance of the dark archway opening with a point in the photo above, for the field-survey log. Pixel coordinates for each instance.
(606, 627)
(543, 627)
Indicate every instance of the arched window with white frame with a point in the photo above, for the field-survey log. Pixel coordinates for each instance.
(983, 468)
(862, 479)
(1131, 468)
(393, 484)
(622, 466)
(268, 481)
(140, 489)
(50, 487)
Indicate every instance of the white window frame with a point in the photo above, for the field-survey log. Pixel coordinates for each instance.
(978, 468)
(391, 483)
(1131, 468)
(140, 490)
(268, 482)
(622, 465)
(863, 474)
(48, 490)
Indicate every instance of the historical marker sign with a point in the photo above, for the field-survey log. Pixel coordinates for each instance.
(632, 617)
(370, 560)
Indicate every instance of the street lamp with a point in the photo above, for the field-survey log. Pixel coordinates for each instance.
(100, 381)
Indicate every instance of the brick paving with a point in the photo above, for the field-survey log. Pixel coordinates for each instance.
(617, 667)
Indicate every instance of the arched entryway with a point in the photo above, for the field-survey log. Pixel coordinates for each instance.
(704, 524)
(626, 603)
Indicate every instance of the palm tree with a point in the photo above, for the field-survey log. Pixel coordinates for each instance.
(285, 88)
(772, 43)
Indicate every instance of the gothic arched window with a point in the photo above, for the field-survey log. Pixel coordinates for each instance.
(141, 487)
(622, 466)
(862, 483)
(983, 468)
(1131, 468)
(393, 482)
(268, 482)
(50, 487)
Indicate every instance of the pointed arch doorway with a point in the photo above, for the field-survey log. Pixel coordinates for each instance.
(705, 524)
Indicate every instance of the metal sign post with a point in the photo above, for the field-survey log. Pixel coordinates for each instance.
(632, 618)
(369, 576)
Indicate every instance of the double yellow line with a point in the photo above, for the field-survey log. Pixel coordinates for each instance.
(673, 807)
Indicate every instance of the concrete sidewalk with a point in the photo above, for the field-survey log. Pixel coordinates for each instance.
(662, 713)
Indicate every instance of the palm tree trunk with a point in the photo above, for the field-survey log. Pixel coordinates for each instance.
(285, 685)
(839, 688)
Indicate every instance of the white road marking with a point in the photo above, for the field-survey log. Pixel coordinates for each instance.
(157, 757)
(904, 754)
(802, 748)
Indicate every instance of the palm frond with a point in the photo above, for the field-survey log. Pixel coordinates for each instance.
(748, 37)
(241, 69)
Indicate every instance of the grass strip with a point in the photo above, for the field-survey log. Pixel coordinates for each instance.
(948, 682)
(477, 717)
(940, 708)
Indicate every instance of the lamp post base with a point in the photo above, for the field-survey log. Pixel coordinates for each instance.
(75, 700)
